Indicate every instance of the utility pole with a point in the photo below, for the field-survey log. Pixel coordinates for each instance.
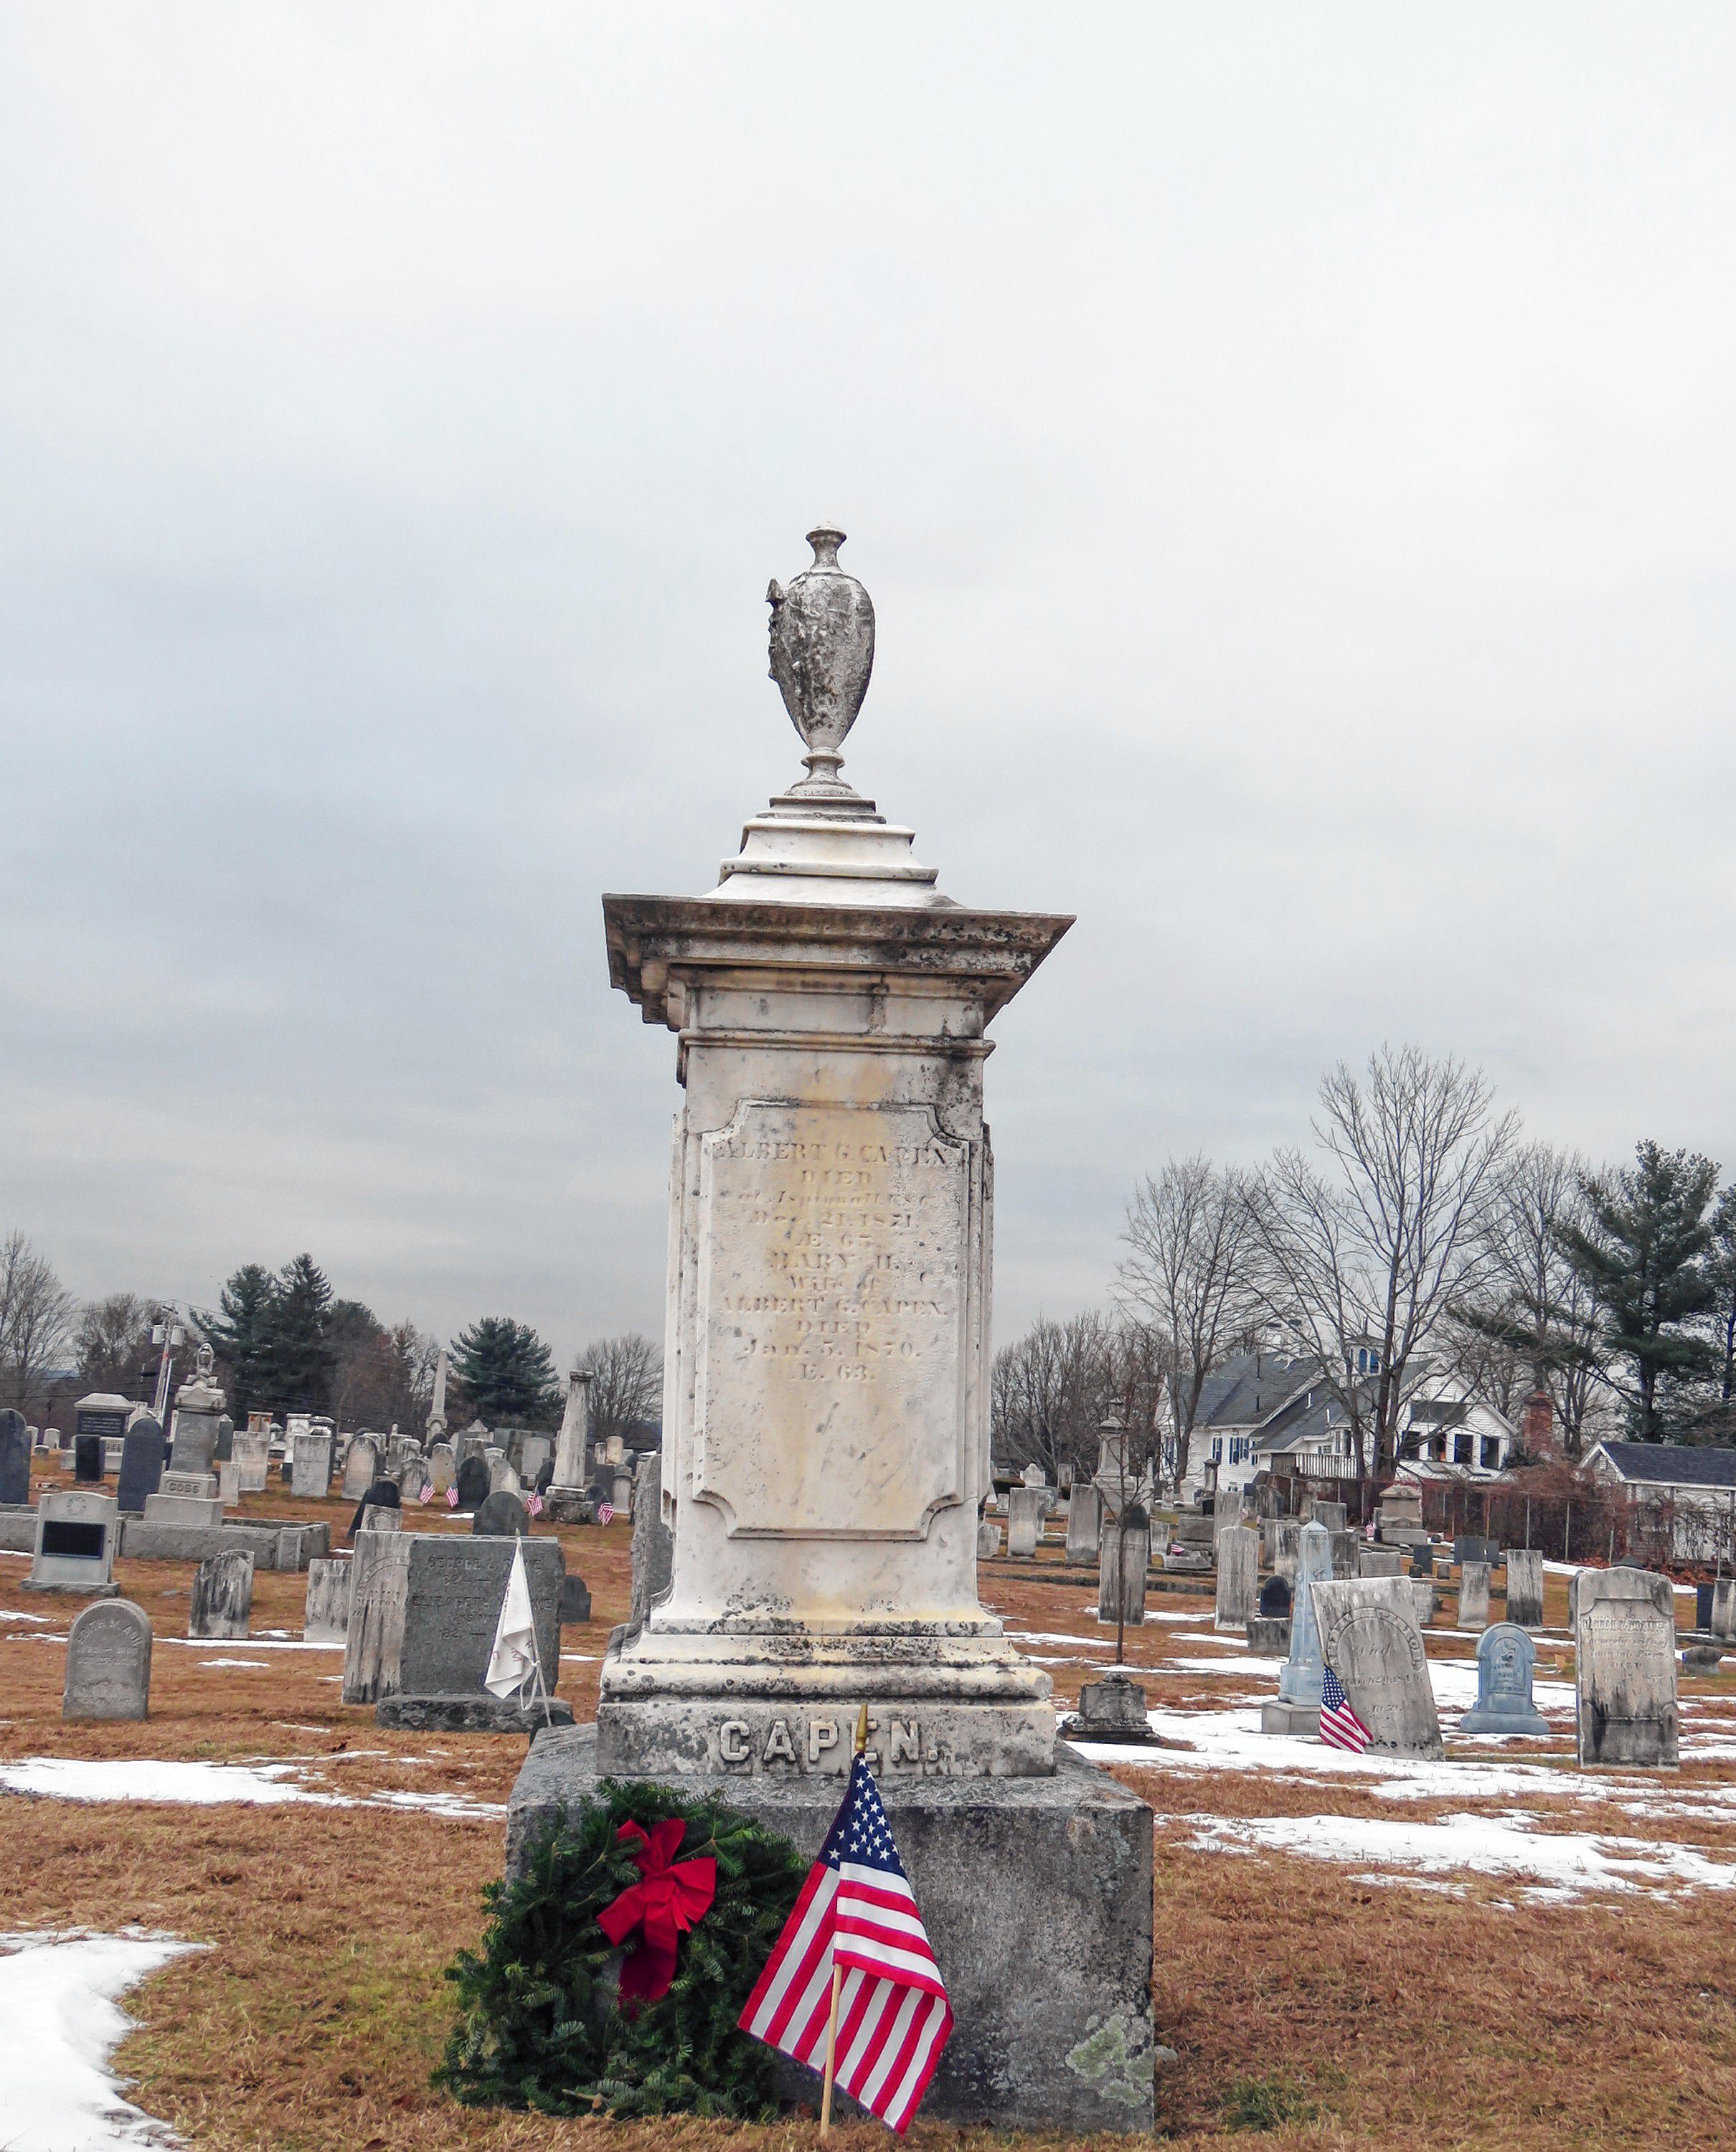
(168, 1332)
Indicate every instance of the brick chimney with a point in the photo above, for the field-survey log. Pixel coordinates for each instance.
(1537, 1426)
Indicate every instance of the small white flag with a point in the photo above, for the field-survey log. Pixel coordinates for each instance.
(513, 1660)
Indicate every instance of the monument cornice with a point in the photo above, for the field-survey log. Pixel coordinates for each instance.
(653, 939)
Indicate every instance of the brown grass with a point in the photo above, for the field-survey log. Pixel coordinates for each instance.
(1374, 2016)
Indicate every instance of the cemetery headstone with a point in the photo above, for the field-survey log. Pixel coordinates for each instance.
(1525, 1587)
(653, 1553)
(75, 1534)
(185, 1498)
(1380, 1561)
(1024, 1522)
(1722, 1624)
(1473, 1596)
(310, 1466)
(1625, 1634)
(622, 1495)
(1422, 1598)
(1269, 1636)
(1506, 1661)
(1702, 1658)
(88, 1460)
(102, 1413)
(1123, 1558)
(442, 1467)
(251, 1454)
(988, 1539)
(112, 1448)
(1238, 1559)
(1370, 1639)
(1084, 1522)
(534, 1453)
(501, 1513)
(1287, 1547)
(226, 1439)
(198, 1410)
(449, 1590)
(575, 1601)
(502, 1480)
(412, 1479)
(222, 1600)
(1297, 1710)
(1112, 1709)
(326, 1620)
(1347, 1547)
(229, 1483)
(1276, 1599)
(473, 1487)
(361, 1468)
(107, 1662)
(1334, 1515)
(14, 1459)
(380, 1517)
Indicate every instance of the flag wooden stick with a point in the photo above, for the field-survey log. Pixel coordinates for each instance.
(831, 2030)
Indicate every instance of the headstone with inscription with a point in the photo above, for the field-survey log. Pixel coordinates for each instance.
(14, 1459)
(413, 1476)
(1285, 1546)
(107, 1662)
(826, 1437)
(1297, 1710)
(103, 1413)
(446, 1595)
(1334, 1515)
(442, 1467)
(1473, 1596)
(1123, 1559)
(310, 1466)
(222, 1597)
(569, 1497)
(1346, 1548)
(76, 1532)
(472, 1484)
(1506, 1661)
(1380, 1561)
(144, 1454)
(1370, 1639)
(361, 1468)
(251, 1454)
(1238, 1559)
(1723, 1620)
(325, 1618)
(1525, 1587)
(1024, 1522)
(1625, 1666)
(1084, 1521)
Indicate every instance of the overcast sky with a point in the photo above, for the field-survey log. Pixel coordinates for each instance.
(1292, 452)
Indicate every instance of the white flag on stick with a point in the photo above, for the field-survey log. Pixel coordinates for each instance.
(513, 1658)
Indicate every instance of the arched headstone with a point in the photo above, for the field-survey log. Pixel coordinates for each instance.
(107, 1662)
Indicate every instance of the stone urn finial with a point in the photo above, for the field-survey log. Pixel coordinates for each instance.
(822, 653)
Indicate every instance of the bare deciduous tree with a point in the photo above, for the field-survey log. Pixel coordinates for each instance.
(1186, 1276)
(626, 1382)
(385, 1378)
(1371, 1259)
(1051, 1388)
(113, 1342)
(36, 1321)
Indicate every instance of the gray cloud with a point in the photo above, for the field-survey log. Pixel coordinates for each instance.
(1291, 453)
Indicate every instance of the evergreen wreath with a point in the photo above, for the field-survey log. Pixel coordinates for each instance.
(539, 2023)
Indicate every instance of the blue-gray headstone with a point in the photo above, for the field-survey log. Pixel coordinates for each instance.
(1299, 1680)
(1275, 1599)
(142, 1452)
(472, 1484)
(1506, 1659)
(501, 1515)
(14, 1457)
(87, 1458)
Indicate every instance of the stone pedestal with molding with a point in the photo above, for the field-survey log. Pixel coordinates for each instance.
(826, 1409)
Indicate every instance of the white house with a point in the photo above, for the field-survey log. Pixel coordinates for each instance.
(1688, 1494)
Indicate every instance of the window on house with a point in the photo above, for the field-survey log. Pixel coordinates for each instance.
(1217, 1449)
(1367, 1360)
(1491, 1452)
(1462, 1449)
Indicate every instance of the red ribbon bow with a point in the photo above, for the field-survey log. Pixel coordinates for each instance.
(667, 1899)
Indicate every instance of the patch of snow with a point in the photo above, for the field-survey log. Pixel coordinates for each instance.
(133, 1779)
(12, 1614)
(263, 1664)
(1062, 1637)
(257, 1643)
(1490, 1845)
(59, 2001)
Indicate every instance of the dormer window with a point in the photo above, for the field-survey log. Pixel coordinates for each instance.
(1367, 1360)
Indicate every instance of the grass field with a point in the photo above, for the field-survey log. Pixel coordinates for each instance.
(1358, 1999)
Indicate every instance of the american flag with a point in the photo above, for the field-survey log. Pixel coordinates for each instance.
(452, 1498)
(605, 1514)
(426, 1494)
(533, 1504)
(857, 1910)
(1339, 1726)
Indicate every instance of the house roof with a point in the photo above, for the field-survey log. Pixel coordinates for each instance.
(1250, 1387)
(1671, 1465)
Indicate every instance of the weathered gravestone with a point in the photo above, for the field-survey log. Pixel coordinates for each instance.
(251, 1455)
(185, 1498)
(1625, 1634)
(1722, 1623)
(442, 1467)
(504, 1479)
(1112, 1709)
(1287, 1547)
(76, 1533)
(310, 1466)
(501, 1515)
(575, 1601)
(1506, 1661)
(1473, 1596)
(144, 1453)
(14, 1459)
(361, 1468)
(1380, 1561)
(88, 1460)
(1084, 1522)
(1422, 1598)
(1269, 1636)
(1123, 1560)
(222, 1600)
(1334, 1515)
(1525, 1587)
(108, 1663)
(226, 1439)
(1238, 1557)
(653, 1542)
(1346, 1548)
(988, 1539)
(473, 1487)
(229, 1483)
(414, 1479)
(1297, 1709)
(433, 1607)
(1276, 1599)
(1370, 1640)
(325, 1619)
(536, 1451)
(1025, 1508)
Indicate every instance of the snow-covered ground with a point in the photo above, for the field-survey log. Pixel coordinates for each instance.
(265, 1783)
(59, 2004)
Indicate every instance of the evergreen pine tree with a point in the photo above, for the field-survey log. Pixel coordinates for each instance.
(508, 1371)
(299, 1352)
(241, 1335)
(1644, 1253)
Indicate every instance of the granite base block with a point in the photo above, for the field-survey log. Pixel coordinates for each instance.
(469, 1714)
(1300, 1720)
(1037, 1895)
